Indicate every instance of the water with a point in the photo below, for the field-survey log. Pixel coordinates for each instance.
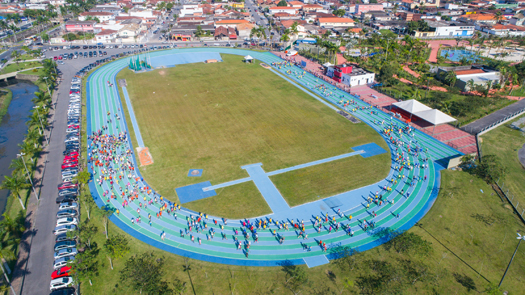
(13, 129)
(457, 55)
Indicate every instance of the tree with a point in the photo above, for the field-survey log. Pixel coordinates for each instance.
(143, 273)
(13, 226)
(409, 243)
(282, 3)
(106, 213)
(169, 6)
(451, 78)
(498, 16)
(116, 247)
(15, 184)
(199, 32)
(86, 232)
(295, 276)
(345, 258)
(85, 266)
(339, 12)
(386, 74)
(83, 177)
(490, 169)
(380, 277)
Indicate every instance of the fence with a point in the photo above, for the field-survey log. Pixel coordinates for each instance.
(511, 199)
(497, 123)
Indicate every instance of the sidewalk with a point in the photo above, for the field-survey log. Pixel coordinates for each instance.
(20, 268)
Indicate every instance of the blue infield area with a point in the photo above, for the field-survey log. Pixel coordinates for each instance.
(194, 192)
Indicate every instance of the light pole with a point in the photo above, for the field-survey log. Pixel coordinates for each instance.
(521, 238)
(42, 125)
(21, 155)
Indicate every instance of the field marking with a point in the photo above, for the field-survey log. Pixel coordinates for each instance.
(272, 173)
(140, 142)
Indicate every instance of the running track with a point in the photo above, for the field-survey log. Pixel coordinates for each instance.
(268, 252)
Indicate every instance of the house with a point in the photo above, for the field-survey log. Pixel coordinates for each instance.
(233, 23)
(376, 16)
(295, 4)
(80, 26)
(289, 10)
(101, 16)
(362, 8)
(129, 31)
(478, 74)
(224, 33)
(190, 9)
(244, 30)
(330, 22)
(504, 30)
(517, 19)
(350, 75)
(479, 18)
(106, 36)
(311, 7)
(238, 5)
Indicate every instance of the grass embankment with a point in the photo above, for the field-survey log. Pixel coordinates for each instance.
(219, 117)
(36, 72)
(15, 67)
(507, 154)
(472, 236)
(5, 99)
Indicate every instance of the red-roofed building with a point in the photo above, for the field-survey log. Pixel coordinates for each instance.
(106, 36)
(333, 22)
(223, 33)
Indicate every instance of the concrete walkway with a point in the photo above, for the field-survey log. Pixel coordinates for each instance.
(496, 118)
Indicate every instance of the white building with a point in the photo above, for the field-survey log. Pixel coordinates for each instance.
(190, 9)
(350, 75)
(451, 29)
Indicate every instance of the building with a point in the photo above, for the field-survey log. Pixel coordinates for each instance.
(479, 18)
(517, 19)
(239, 5)
(80, 26)
(190, 9)
(362, 8)
(101, 16)
(471, 75)
(451, 29)
(311, 7)
(106, 36)
(230, 23)
(332, 22)
(504, 30)
(223, 33)
(289, 10)
(350, 75)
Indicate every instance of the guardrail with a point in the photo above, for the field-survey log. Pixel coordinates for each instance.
(499, 122)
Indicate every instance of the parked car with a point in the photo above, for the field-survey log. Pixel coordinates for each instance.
(64, 245)
(65, 252)
(60, 283)
(67, 213)
(62, 238)
(64, 229)
(64, 291)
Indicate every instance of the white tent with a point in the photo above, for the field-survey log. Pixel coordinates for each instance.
(326, 65)
(248, 59)
(411, 106)
(435, 117)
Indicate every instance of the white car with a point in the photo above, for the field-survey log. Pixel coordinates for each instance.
(67, 221)
(61, 262)
(65, 252)
(60, 283)
(64, 229)
(68, 205)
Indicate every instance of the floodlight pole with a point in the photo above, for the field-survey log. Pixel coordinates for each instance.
(520, 238)
(21, 155)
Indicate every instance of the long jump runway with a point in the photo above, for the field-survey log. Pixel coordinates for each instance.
(399, 212)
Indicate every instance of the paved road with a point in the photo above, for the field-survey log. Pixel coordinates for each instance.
(491, 119)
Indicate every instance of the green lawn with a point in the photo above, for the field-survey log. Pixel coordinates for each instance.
(36, 72)
(217, 117)
(518, 92)
(14, 67)
(508, 155)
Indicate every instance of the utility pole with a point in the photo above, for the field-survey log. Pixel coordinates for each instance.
(521, 238)
(42, 125)
(21, 155)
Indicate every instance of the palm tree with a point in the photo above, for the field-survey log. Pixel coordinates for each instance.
(18, 165)
(5, 253)
(41, 98)
(29, 148)
(470, 85)
(498, 16)
(451, 78)
(15, 184)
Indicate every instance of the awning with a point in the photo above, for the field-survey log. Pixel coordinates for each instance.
(435, 117)
(412, 106)
(326, 65)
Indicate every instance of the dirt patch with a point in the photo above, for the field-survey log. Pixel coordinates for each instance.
(144, 156)
(162, 73)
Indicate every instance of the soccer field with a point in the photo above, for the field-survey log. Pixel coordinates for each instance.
(218, 117)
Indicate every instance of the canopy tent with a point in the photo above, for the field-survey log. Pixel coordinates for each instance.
(411, 106)
(435, 117)
(248, 58)
(327, 64)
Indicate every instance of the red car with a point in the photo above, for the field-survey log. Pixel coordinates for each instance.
(65, 166)
(73, 126)
(60, 57)
(67, 185)
(55, 58)
(61, 272)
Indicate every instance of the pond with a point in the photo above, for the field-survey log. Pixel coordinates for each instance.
(457, 54)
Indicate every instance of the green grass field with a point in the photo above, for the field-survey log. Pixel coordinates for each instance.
(14, 67)
(218, 117)
(507, 153)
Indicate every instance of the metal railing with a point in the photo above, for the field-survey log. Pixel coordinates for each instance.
(511, 199)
